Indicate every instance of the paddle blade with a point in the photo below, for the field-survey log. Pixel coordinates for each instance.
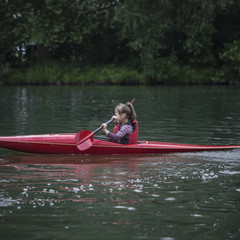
(84, 139)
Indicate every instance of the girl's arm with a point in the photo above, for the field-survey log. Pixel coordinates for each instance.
(125, 130)
(104, 125)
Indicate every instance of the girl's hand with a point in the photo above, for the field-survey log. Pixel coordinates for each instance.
(114, 117)
(104, 126)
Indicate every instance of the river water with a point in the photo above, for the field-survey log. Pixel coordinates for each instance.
(166, 197)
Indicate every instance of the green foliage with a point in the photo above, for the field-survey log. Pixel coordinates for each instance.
(69, 74)
(47, 74)
(230, 71)
(158, 29)
(167, 70)
(146, 34)
(166, 41)
(189, 75)
(51, 23)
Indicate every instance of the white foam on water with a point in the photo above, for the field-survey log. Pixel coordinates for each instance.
(170, 199)
(137, 190)
(196, 215)
(230, 172)
(167, 238)
(131, 208)
(120, 207)
(219, 156)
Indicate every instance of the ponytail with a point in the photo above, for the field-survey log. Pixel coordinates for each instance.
(133, 114)
(128, 109)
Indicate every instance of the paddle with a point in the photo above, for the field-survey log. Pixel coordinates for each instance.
(84, 139)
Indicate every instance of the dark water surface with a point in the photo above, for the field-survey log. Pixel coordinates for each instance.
(166, 197)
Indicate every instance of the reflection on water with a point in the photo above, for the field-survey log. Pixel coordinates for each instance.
(21, 110)
(153, 197)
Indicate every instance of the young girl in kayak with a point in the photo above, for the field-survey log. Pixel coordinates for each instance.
(126, 130)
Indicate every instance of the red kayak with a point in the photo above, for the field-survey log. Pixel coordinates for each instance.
(65, 144)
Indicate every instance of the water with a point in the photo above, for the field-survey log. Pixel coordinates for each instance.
(175, 196)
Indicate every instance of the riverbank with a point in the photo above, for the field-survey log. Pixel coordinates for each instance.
(76, 74)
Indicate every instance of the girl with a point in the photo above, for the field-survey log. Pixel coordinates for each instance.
(126, 130)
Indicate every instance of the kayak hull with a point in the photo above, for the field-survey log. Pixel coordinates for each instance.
(65, 144)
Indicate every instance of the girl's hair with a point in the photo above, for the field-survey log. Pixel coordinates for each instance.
(128, 109)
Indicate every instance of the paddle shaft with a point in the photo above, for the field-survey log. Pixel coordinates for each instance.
(98, 129)
(89, 136)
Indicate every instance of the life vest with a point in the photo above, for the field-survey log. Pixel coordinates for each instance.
(129, 139)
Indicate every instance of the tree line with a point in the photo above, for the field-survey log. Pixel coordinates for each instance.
(147, 41)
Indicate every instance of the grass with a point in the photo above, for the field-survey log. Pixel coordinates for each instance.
(54, 73)
(58, 73)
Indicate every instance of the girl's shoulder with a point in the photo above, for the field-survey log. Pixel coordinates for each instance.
(128, 124)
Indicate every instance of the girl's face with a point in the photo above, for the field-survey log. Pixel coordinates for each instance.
(120, 118)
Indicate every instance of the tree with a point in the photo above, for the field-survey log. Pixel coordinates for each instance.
(49, 24)
(170, 34)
